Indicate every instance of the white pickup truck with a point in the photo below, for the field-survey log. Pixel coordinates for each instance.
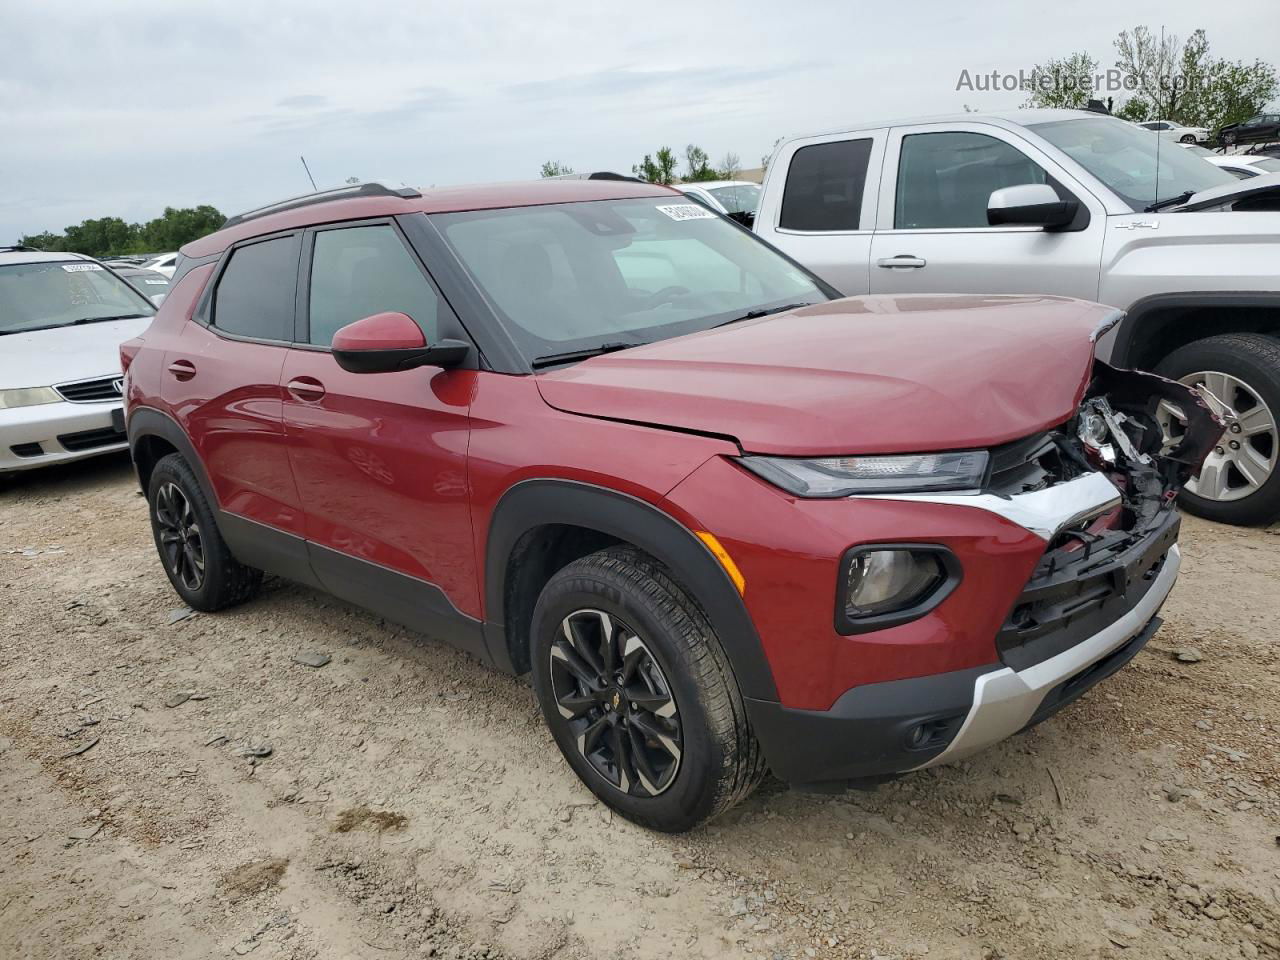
(1075, 204)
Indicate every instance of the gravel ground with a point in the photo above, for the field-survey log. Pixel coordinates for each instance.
(412, 805)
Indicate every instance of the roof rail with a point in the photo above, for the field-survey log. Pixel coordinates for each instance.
(371, 189)
(610, 175)
(18, 246)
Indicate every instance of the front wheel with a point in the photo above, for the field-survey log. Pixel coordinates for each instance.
(1187, 138)
(1239, 375)
(639, 694)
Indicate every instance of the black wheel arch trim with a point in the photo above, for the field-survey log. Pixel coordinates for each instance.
(150, 422)
(1132, 330)
(545, 501)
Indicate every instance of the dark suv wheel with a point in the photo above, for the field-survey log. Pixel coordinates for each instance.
(638, 692)
(191, 548)
(1240, 479)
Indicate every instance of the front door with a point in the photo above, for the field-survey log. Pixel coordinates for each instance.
(380, 459)
(932, 234)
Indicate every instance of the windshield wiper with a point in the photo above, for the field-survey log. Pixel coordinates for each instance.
(757, 314)
(1170, 201)
(571, 356)
(119, 316)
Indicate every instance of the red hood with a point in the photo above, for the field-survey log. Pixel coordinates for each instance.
(860, 375)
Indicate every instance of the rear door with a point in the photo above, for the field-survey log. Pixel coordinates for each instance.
(380, 459)
(825, 213)
(221, 379)
(932, 234)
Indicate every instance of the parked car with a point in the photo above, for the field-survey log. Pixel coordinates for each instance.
(1260, 128)
(737, 199)
(589, 429)
(163, 263)
(1244, 166)
(150, 283)
(62, 319)
(1177, 131)
(1069, 203)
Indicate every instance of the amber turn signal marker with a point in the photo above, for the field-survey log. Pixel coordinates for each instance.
(726, 561)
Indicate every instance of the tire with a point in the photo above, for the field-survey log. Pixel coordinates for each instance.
(1188, 138)
(217, 580)
(655, 622)
(1253, 360)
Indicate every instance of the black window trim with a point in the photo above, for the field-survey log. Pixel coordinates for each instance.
(204, 312)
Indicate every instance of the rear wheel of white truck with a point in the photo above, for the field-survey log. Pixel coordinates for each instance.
(1239, 373)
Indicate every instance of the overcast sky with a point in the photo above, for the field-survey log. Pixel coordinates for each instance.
(122, 108)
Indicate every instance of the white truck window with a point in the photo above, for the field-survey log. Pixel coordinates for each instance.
(824, 186)
(946, 179)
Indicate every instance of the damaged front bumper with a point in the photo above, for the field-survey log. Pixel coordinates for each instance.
(1099, 491)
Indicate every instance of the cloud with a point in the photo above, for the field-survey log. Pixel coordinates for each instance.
(303, 101)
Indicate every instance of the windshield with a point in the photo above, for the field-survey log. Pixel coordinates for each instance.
(577, 276)
(60, 293)
(740, 198)
(1124, 158)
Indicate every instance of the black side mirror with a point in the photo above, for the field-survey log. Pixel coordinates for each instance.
(1030, 205)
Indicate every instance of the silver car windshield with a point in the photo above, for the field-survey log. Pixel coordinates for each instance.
(38, 296)
(1123, 157)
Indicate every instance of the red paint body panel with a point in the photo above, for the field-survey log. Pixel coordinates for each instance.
(789, 551)
(380, 462)
(865, 375)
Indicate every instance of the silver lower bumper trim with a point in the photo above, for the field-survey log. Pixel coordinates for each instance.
(1004, 700)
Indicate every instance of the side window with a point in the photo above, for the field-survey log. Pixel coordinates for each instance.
(824, 186)
(255, 294)
(359, 271)
(946, 179)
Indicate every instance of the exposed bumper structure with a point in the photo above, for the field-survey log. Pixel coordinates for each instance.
(1006, 701)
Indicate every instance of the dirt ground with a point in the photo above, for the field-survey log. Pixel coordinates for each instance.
(412, 804)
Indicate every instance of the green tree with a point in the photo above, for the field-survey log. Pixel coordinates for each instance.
(730, 167)
(697, 164)
(177, 227)
(658, 168)
(111, 236)
(44, 241)
(554, 168)
(1150, 62)
(1216, 92)
(1064, 83)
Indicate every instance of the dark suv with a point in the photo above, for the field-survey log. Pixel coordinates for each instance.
(592, 430)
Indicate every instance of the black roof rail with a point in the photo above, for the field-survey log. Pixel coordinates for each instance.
(18, 246)
(610, 175)
(371, 189)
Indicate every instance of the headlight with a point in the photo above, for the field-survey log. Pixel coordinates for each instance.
(885, 585)
(27, 397)
(900, 473)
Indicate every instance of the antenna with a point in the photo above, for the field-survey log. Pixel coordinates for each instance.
(308, 169)
(1156, 198)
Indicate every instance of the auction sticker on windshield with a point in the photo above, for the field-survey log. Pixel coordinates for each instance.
(686, 211)
(80, 267)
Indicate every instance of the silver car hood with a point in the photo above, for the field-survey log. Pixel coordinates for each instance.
(1230, 192)
(41, 358)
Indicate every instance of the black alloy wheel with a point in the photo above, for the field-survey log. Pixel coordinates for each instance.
(179, 536)
(617, 701)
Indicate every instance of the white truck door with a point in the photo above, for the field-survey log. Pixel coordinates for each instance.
(932, 234)
(823, 211)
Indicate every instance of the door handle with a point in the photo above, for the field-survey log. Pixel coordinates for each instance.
(182, 369)
(307, 389)
(901, 260)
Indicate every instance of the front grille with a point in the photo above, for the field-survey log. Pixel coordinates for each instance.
(1032, 463)
(26, 449)
(1083, 583)
(91, 391)
(89, 439)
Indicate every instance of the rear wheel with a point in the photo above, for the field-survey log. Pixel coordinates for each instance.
(195, 557)
(1239, 374)
(639, 694)
(1187, 138)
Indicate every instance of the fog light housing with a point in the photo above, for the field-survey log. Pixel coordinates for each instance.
(884, 585)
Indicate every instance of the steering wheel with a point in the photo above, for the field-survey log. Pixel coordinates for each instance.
(665, 295)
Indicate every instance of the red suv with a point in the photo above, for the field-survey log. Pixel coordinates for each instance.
(731, 523)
